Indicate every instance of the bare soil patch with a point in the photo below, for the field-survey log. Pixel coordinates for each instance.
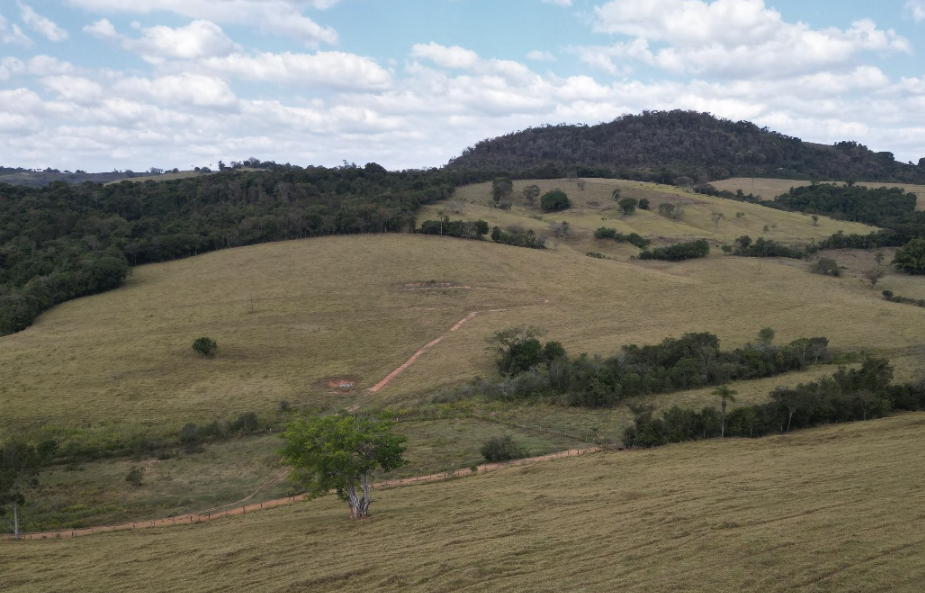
(340, 384)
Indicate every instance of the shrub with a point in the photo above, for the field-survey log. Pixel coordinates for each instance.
(205, 346)
(246, 422)
(555, 200)
(825, 266)
(501, 448)
(135, 476)
(644, 204)
(679, 252)
(596, 255)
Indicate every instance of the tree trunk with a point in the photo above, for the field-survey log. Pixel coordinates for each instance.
(722, 430)
(15, 519)
(359, 505)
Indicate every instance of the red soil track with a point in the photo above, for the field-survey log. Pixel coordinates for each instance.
(206, 516)
(417, 354)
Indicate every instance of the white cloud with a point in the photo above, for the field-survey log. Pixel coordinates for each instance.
(40, 24)
(459, 58)
(184, 89)
(336, 70)
(730, 38)
(199, 39)
(558, 2)
(540, 56)
(74, 88)
(13, 34)
(915, 10)
(275, 17)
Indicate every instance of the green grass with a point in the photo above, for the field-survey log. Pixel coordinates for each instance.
(832, 509)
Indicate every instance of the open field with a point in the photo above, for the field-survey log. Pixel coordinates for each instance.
(832, 509)
(290, 317)
(294, 320)
(769, 189)
(97, 493)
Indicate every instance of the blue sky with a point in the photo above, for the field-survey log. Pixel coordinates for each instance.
(130, 84)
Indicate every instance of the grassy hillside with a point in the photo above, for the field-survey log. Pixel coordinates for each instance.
(768, 189)
(834, 509)
(291, 316)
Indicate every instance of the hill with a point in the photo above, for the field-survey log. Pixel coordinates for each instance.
(663, 145)
(833, 509)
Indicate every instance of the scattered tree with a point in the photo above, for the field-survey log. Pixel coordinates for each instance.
(627, 206)
(717, 216)
(815, 219)
(725, 394)
(879, 258)
(873, 276)
(581, 185)
(560, 229)
(501, 188)
(615, 194)
(555, 200)
(766, 336)
(205, 345)
(340, 453)
(644, 204)
(531, 193)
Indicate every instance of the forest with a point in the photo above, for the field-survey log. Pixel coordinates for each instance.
(65, 241)
(660, 146)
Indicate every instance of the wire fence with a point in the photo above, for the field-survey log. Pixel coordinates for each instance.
(205, 517)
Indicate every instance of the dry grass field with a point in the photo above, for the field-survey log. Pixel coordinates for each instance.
(289, 317)
(769, 189)
(295, 319)
(834, 509)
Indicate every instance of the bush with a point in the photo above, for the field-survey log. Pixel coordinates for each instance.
(501, 449)
(135, 476)
(679, 252)
(246, 422)
(644, 204)
(555, 200)
(205, 346)
(911, 257)
(627, 205)
(825, 266)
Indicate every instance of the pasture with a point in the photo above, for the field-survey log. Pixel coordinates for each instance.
(833, 509)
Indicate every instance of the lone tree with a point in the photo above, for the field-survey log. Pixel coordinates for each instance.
(340, 453)
(531, 193)
(873, 276)
(19, 465)
(725, 393)
(205, 346)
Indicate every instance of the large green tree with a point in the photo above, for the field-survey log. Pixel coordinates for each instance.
(340, 453)
(911, 257)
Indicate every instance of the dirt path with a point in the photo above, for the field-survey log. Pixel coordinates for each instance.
(417, 354)
(206, 516)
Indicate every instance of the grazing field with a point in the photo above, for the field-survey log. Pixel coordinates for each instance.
(312, 325)
(833, 509)
(768, 189)
(293, 320)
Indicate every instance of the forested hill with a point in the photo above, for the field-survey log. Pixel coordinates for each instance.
(64, 241)
(663, 145)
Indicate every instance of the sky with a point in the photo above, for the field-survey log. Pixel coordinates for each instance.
(103, 85)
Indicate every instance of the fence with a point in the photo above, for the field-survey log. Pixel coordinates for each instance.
(205, 517)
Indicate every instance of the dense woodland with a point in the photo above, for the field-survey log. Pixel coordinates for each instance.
(662, 145)
(61, 241)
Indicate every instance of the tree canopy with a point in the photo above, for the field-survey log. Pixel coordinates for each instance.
(340, 453)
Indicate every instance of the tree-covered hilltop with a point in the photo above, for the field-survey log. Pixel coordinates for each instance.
(663, 145)
(61, 241)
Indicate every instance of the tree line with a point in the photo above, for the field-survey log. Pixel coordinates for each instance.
(61, 241)
(849, 395)
(529, 367)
